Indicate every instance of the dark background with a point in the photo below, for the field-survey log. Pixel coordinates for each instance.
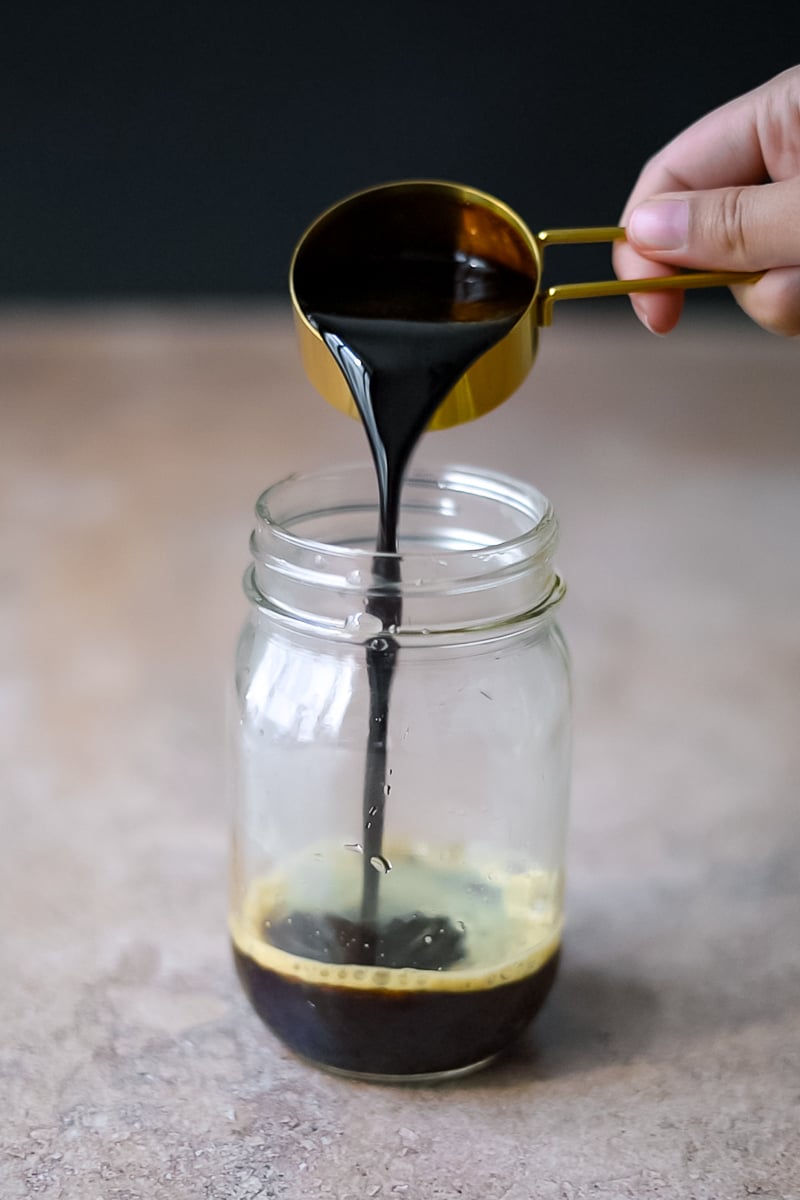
(180, 149)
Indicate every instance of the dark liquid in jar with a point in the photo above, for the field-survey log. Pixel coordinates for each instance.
(380, 1031)
(310, 974)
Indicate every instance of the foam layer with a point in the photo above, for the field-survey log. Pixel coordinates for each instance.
(512, 927)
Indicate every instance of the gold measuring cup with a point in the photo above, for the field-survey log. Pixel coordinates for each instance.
(431, 217)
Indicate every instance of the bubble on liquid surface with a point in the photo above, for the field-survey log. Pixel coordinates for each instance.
(380, 644)
(356, 847)
(354, 577)
(380, 864)
(364, 624)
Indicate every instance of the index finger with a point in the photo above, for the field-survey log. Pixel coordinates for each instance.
(721, 149)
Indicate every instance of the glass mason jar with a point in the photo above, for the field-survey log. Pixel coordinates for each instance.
(400, 786)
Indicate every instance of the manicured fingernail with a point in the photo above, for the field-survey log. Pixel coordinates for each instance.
(660, 225)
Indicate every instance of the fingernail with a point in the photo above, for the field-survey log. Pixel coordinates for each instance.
(660, 225)
(640, 308)
(646, 322)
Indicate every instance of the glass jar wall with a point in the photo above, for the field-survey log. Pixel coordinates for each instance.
(400, 790)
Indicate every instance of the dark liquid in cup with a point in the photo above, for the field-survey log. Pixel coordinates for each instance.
(405, 312)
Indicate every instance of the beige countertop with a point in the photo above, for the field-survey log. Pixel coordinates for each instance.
(666, 1064)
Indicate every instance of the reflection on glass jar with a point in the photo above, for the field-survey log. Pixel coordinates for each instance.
(463, 856)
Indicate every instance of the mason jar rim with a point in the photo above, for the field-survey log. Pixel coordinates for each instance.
(475, 557)
(505, 489)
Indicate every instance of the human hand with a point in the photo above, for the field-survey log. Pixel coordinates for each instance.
(724, 195)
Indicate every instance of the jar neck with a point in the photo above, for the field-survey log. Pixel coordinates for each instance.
(475, 555)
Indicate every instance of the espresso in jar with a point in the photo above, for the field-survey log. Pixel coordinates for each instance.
(346, 997)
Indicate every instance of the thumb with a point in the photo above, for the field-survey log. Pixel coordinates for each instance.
(726, 229)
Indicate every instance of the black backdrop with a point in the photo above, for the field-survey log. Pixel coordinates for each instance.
(179, 149)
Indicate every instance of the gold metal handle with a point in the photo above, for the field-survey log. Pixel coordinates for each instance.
(621, 287)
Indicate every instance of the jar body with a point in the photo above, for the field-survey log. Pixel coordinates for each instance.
(465, 706)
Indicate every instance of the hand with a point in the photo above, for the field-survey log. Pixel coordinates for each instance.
(724, 195)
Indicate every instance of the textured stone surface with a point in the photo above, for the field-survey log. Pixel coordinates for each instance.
(666, 1064)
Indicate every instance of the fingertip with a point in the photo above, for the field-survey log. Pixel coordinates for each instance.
(645, 320)
(658, 312)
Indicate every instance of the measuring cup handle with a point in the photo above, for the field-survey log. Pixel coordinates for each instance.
(621, 287)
